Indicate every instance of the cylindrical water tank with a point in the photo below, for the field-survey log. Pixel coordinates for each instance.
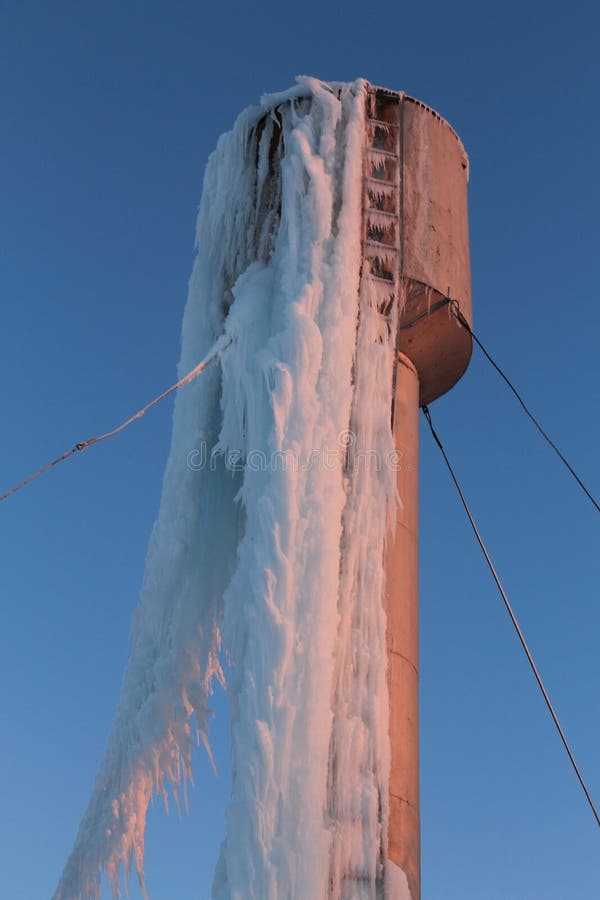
(416, 235)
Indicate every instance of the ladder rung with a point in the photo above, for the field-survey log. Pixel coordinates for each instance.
(379, 278)
(387, 153)
(380, 181)
(380, 244)
(381, 212)
(381, 122)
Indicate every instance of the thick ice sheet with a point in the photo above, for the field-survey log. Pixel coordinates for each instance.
(272, 548)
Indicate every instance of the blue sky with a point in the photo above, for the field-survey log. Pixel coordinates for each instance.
(109, 112)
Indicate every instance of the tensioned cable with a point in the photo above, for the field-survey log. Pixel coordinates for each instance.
(455, 309)
(221, 344)
(513, 617)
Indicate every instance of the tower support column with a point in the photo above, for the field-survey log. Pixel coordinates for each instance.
(402, 608)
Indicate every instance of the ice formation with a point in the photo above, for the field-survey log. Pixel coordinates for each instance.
(270, 536)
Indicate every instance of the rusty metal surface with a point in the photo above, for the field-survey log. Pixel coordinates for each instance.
(402, 610)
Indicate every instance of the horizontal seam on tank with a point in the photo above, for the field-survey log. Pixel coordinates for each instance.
(406, 659)
(402, 800)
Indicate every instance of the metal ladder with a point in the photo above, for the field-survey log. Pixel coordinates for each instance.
(382, 201)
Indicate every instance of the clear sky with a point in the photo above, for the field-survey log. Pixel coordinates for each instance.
(108, 114)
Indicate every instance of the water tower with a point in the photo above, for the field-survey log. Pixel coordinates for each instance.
(402, 173)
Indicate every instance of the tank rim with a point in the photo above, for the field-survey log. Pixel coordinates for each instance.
(404, 96)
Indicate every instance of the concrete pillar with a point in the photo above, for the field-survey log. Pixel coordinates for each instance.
(402, 607)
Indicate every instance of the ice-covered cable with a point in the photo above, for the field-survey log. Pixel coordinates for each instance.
(219, 346)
